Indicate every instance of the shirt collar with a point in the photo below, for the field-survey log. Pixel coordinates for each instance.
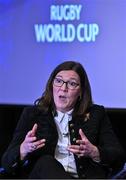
(60, 115)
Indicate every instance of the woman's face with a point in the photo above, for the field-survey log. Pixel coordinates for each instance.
(66, 90)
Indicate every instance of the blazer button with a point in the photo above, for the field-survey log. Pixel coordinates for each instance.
(74, 139)
(71, 125)
(81, 167)
(72, 131)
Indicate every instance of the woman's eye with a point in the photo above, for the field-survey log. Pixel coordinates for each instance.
(72, 83)
(58, 80)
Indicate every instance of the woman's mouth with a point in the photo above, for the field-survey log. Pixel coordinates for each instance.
(62, 98)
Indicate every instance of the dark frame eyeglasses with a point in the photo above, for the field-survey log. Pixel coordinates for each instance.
(69, 84)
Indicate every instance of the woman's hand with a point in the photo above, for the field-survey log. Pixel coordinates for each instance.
(85, 148)
(30, 143)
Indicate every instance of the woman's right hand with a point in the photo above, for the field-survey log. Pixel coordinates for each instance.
(30, 143)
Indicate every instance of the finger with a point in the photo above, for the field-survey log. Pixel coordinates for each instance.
(36, 145)
(29, 134)
(41, 145)
(75, 151)
(30, 139)
(39, 142)
(34, 129)
(73, 148)
(80, 142)
(33, 147)
(83, 137)
(76, 147)
(78, 150)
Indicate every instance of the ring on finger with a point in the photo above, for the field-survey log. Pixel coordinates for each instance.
(33, 146)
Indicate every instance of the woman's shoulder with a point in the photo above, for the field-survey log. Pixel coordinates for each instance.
(30, 109)
(34, 110)
(99, 109)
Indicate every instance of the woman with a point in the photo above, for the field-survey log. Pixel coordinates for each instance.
(64, 135)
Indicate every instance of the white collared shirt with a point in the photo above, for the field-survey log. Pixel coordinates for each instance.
(65, 157)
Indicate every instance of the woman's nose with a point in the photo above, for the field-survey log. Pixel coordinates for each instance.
(64, 86)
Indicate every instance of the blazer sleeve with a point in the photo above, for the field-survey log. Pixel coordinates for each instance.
(11, 158)
(111, 151)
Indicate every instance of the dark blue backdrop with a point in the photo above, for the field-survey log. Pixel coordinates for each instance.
(35, 36)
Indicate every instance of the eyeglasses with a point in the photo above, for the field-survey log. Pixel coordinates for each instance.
(70, 84)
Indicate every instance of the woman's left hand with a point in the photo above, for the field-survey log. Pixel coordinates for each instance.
(85, 148)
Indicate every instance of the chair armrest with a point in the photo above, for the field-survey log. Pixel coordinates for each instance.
(4, 174)
(121, 174)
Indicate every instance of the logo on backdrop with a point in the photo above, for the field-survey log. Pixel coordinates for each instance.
(65, 26)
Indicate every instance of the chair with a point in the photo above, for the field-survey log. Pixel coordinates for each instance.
(121, 174)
